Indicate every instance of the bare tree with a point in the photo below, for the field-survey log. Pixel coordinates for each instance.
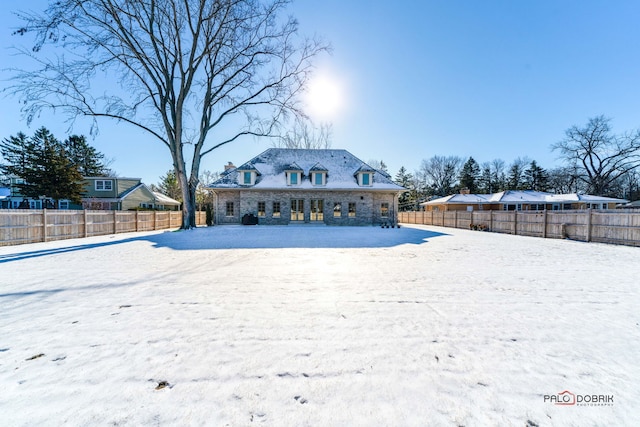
(203, 195)
(177, 69)
(600, 157)
(563, 180)
(305, 134)
(438, 175)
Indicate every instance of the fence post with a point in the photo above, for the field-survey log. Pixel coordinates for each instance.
(115, 222)
(44, 224)
(544, 224)
(136, 220)
(431, 217)
(491, 220)
(455, 219)
(155, 220)
(589, 225)
(86, 226)
(515, 223)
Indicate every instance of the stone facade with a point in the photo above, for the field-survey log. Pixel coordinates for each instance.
(325, 186)
(370, 207)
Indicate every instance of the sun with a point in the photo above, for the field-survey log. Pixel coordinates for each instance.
(324, 98)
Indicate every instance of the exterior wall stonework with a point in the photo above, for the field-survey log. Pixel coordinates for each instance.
(368, 205)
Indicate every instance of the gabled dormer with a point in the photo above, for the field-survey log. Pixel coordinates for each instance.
(364, 175)
(247, 174)
(318, 175)
(293, 174)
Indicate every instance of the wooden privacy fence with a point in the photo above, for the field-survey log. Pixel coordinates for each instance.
(605, 226)
(18, 226)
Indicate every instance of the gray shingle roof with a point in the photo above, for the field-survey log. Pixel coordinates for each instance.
(341, 165)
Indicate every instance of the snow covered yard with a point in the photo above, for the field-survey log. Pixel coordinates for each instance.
(318, 326)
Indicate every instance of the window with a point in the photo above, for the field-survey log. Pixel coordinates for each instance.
(318, 178)
(63, 204)
(262, 209)
(352, 210)
(104, 185)
(246, 178)
(384, 210)
(366, 179)
(276, 209)
(337, 210)
(229, 211)
(566, 207)
(293, 178)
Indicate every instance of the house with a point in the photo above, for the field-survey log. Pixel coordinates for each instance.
(11, 198)
(115, 193)
(316, 186)
(99, 193)
(517, 200)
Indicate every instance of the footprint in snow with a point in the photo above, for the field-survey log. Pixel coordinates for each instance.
(35, 357)
(300, 399)
(162, 384)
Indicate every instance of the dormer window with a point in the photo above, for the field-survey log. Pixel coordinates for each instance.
(293, 178)
(365, 179)
(318, 175)
(247, 177)
(293, 172)
(319, 178)
(364, 175)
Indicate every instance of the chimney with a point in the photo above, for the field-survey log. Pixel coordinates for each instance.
(229, 166)
(465, 190)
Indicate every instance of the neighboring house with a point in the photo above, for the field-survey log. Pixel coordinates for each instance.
(11, 198)
(115, 193)
(288, 186)
(526, 200)
(100, 193)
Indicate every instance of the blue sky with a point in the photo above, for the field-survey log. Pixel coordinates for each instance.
(488, 79)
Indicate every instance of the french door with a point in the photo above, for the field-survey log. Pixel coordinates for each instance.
(317, 210)
(297, 210)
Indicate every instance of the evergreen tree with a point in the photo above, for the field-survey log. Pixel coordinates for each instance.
(16, 152)
(516, 180)
(408, 199)
(44, 165)
(469, 175)
(485, 182)
(90, 161)
(169, 186)
(536, 178)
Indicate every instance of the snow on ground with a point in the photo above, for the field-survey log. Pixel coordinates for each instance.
(318, 326)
